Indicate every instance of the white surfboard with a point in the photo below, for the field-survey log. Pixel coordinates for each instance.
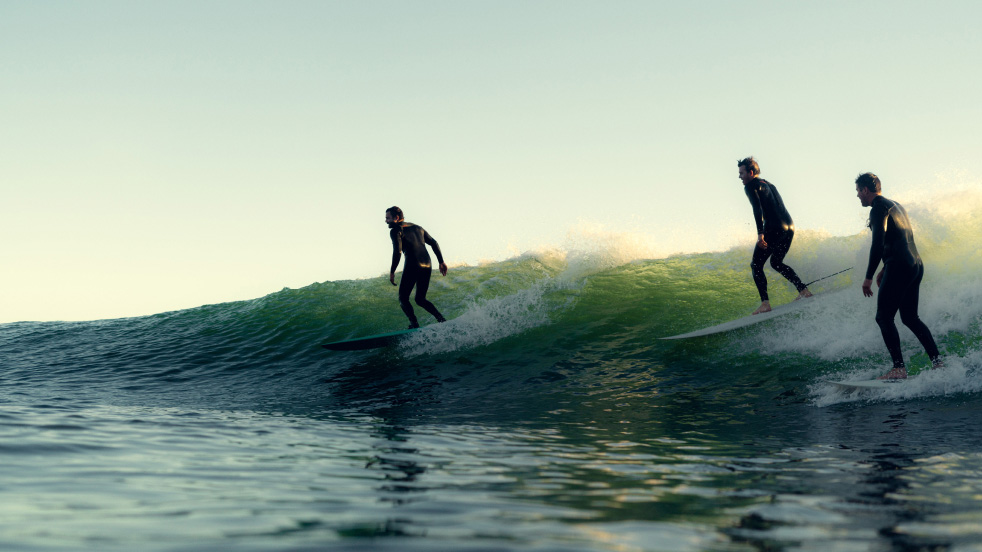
(753, 318)
(869, 384)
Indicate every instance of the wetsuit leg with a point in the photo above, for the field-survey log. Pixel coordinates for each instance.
(422, 286)
(410, 277)
(908, 314)
(781, 247)
(757, 269)
(895, 283)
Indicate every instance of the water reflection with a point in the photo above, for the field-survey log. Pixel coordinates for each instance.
(609, 465)
(863, 491)
(398, 463)
(888, 486)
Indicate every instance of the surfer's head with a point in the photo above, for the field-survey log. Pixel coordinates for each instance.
(869, 181)
(749, 169)
(393, 215)
(867, 188)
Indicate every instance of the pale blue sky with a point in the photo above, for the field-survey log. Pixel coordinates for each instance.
(163, 155)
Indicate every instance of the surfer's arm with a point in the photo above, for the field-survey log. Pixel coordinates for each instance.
(758, 211)
(878, 224)
(868, 284)
(396, 253)
(436, 250)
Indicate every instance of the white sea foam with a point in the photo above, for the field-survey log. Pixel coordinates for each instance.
(485, 321)
(841, 325)
(960, 375)
(587, 250)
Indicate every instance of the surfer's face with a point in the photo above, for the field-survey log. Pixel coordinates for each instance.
(745, 175)
(865, 196)
(390, 219)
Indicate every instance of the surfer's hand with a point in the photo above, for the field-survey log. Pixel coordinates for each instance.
(392, 278)
(761, 243)
(868, 287)
(879, 279)
(443, 268)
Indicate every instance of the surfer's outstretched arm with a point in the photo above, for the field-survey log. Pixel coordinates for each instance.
(436, 250)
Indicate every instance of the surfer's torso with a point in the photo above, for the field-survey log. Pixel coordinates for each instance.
(412, 240)
(770, 215)
(893, 238)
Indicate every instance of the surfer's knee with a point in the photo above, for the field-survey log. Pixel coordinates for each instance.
(883, 320)
(910, 320)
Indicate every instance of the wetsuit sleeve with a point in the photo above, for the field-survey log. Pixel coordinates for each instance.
(755, 203)
(432, 243)
(878, 224)
(396, 248)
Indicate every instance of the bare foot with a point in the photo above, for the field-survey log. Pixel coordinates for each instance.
(765, 306)
(804, 294)
(895, 374)
(937, 363)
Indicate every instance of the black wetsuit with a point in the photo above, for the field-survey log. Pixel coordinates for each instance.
(774, 222)
(412, 240)
(893, 242)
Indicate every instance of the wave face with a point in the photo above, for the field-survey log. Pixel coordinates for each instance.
(545, 415)
(538, 324)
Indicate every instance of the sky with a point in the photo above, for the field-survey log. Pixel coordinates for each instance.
(156, 156)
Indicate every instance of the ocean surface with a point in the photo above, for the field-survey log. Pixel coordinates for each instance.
(547, 415)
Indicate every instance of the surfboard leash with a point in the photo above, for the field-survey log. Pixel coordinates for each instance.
(829, 276)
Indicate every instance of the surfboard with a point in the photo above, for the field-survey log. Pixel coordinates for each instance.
(368, 342)
(757, 318)
(751, 319)
(869, 384)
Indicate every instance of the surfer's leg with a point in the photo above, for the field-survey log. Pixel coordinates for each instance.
(757, 270)
(887, 305)
(781, 247)
(409, 277)
(422, 286)
(908, 315)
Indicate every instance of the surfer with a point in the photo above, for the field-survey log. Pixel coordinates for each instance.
(775, 230)
(900, 278)
(412, 240)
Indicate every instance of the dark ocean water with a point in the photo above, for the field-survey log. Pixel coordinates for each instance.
(547, 415)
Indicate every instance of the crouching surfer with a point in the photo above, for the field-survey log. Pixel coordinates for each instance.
(412, 240)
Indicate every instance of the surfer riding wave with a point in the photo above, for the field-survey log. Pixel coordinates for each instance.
(900, 278)
(412, 240)
(775, 231)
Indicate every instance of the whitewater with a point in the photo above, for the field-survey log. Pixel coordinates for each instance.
(547, 415)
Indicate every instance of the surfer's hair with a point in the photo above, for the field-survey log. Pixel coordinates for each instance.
(750, 164)
(869, 181)
(395, 211)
